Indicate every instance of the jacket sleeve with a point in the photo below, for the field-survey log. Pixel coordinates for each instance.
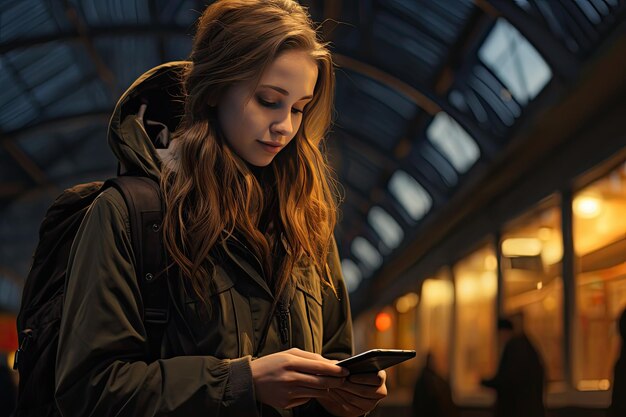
(337, 341)
(101, 368)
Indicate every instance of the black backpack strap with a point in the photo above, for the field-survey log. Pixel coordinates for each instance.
(145, 207)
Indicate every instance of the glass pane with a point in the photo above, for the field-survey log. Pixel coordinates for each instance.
(351, 274)
(475, 355)
(453, 142)
(600, 249)
(515, 61)
(532, 250)
(435, 311)
(386, 227)
(411, 195)
(366, 253)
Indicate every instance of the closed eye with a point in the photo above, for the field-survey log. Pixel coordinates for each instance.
(275, 105)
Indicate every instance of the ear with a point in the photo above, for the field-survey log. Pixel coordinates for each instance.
(212, 102)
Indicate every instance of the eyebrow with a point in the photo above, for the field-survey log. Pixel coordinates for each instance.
(282, 91)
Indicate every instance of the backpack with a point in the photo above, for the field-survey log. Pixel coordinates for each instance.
(42, 299)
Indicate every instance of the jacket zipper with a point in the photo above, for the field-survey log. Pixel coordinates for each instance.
(283, 319)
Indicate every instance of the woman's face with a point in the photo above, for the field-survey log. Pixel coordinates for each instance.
(259, 125)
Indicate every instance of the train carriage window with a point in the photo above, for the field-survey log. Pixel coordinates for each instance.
(475, 356)
(532, 291)
(599, 230)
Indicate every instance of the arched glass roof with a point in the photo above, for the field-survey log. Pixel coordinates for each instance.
(427, 92)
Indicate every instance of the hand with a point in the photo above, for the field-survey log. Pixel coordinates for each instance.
(292, 377)
(358, 395)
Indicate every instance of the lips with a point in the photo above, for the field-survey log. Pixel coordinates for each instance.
(271, 147)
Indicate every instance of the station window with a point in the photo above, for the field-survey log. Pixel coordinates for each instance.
(475, 281)
(532, 287)
(407, 334)
(435, 321)
(599, 230)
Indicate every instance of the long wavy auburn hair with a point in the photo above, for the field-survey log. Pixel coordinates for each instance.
(211, 194)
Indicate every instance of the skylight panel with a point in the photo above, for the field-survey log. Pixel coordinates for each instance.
(396, 100)
(366, 253)
(589, 11)
(410, 194)
(351, 274)
(453, 142)
(515, 61)
(386, 227)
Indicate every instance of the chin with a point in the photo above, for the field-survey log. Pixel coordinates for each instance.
(261, 163)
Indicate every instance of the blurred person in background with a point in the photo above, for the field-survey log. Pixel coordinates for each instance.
(432, 396)
(8, 390)
(519, 380)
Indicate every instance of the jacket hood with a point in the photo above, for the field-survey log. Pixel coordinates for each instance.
(144, 116)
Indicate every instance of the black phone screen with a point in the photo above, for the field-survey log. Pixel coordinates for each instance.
(375, 360)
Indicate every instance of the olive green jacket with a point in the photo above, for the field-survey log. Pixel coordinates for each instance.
(102, 366)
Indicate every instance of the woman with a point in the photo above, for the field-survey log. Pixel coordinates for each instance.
(260, 313)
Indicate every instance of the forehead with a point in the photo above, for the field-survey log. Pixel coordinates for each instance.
(294, 71)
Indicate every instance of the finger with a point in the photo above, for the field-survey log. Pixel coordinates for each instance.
(318, 381)
(306, 354)
(316, 367)
(352, 403)
(297, 402)
(372, 379)
(368, 392)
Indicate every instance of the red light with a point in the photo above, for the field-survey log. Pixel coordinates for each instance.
(383, 322)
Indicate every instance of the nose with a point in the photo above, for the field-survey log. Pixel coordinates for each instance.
(283, 125)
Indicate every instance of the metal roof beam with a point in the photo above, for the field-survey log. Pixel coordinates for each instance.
(95, 32)
(425, 99)
(83, 119)
(24, 161)
(75, 19)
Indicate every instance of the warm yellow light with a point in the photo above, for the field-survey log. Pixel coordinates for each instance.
(594, 385)
(383, 322)
(467, 289)
(407, 302)
(488, 284)
(545, 233)
(491, 263)
(437, 292)
(552, 252)
(587, 206)
(10, 359)
(539, 285)
(549, 303)
(521, 246)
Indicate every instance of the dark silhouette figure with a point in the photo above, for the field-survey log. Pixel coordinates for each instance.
(618, 403)
(519, 380)
(8, 391)
(432, 396)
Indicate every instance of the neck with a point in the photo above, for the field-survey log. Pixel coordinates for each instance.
(256, 171)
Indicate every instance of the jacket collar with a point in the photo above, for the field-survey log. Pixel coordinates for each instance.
(234, 249)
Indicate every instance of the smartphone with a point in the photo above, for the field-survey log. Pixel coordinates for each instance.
(375, 360)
